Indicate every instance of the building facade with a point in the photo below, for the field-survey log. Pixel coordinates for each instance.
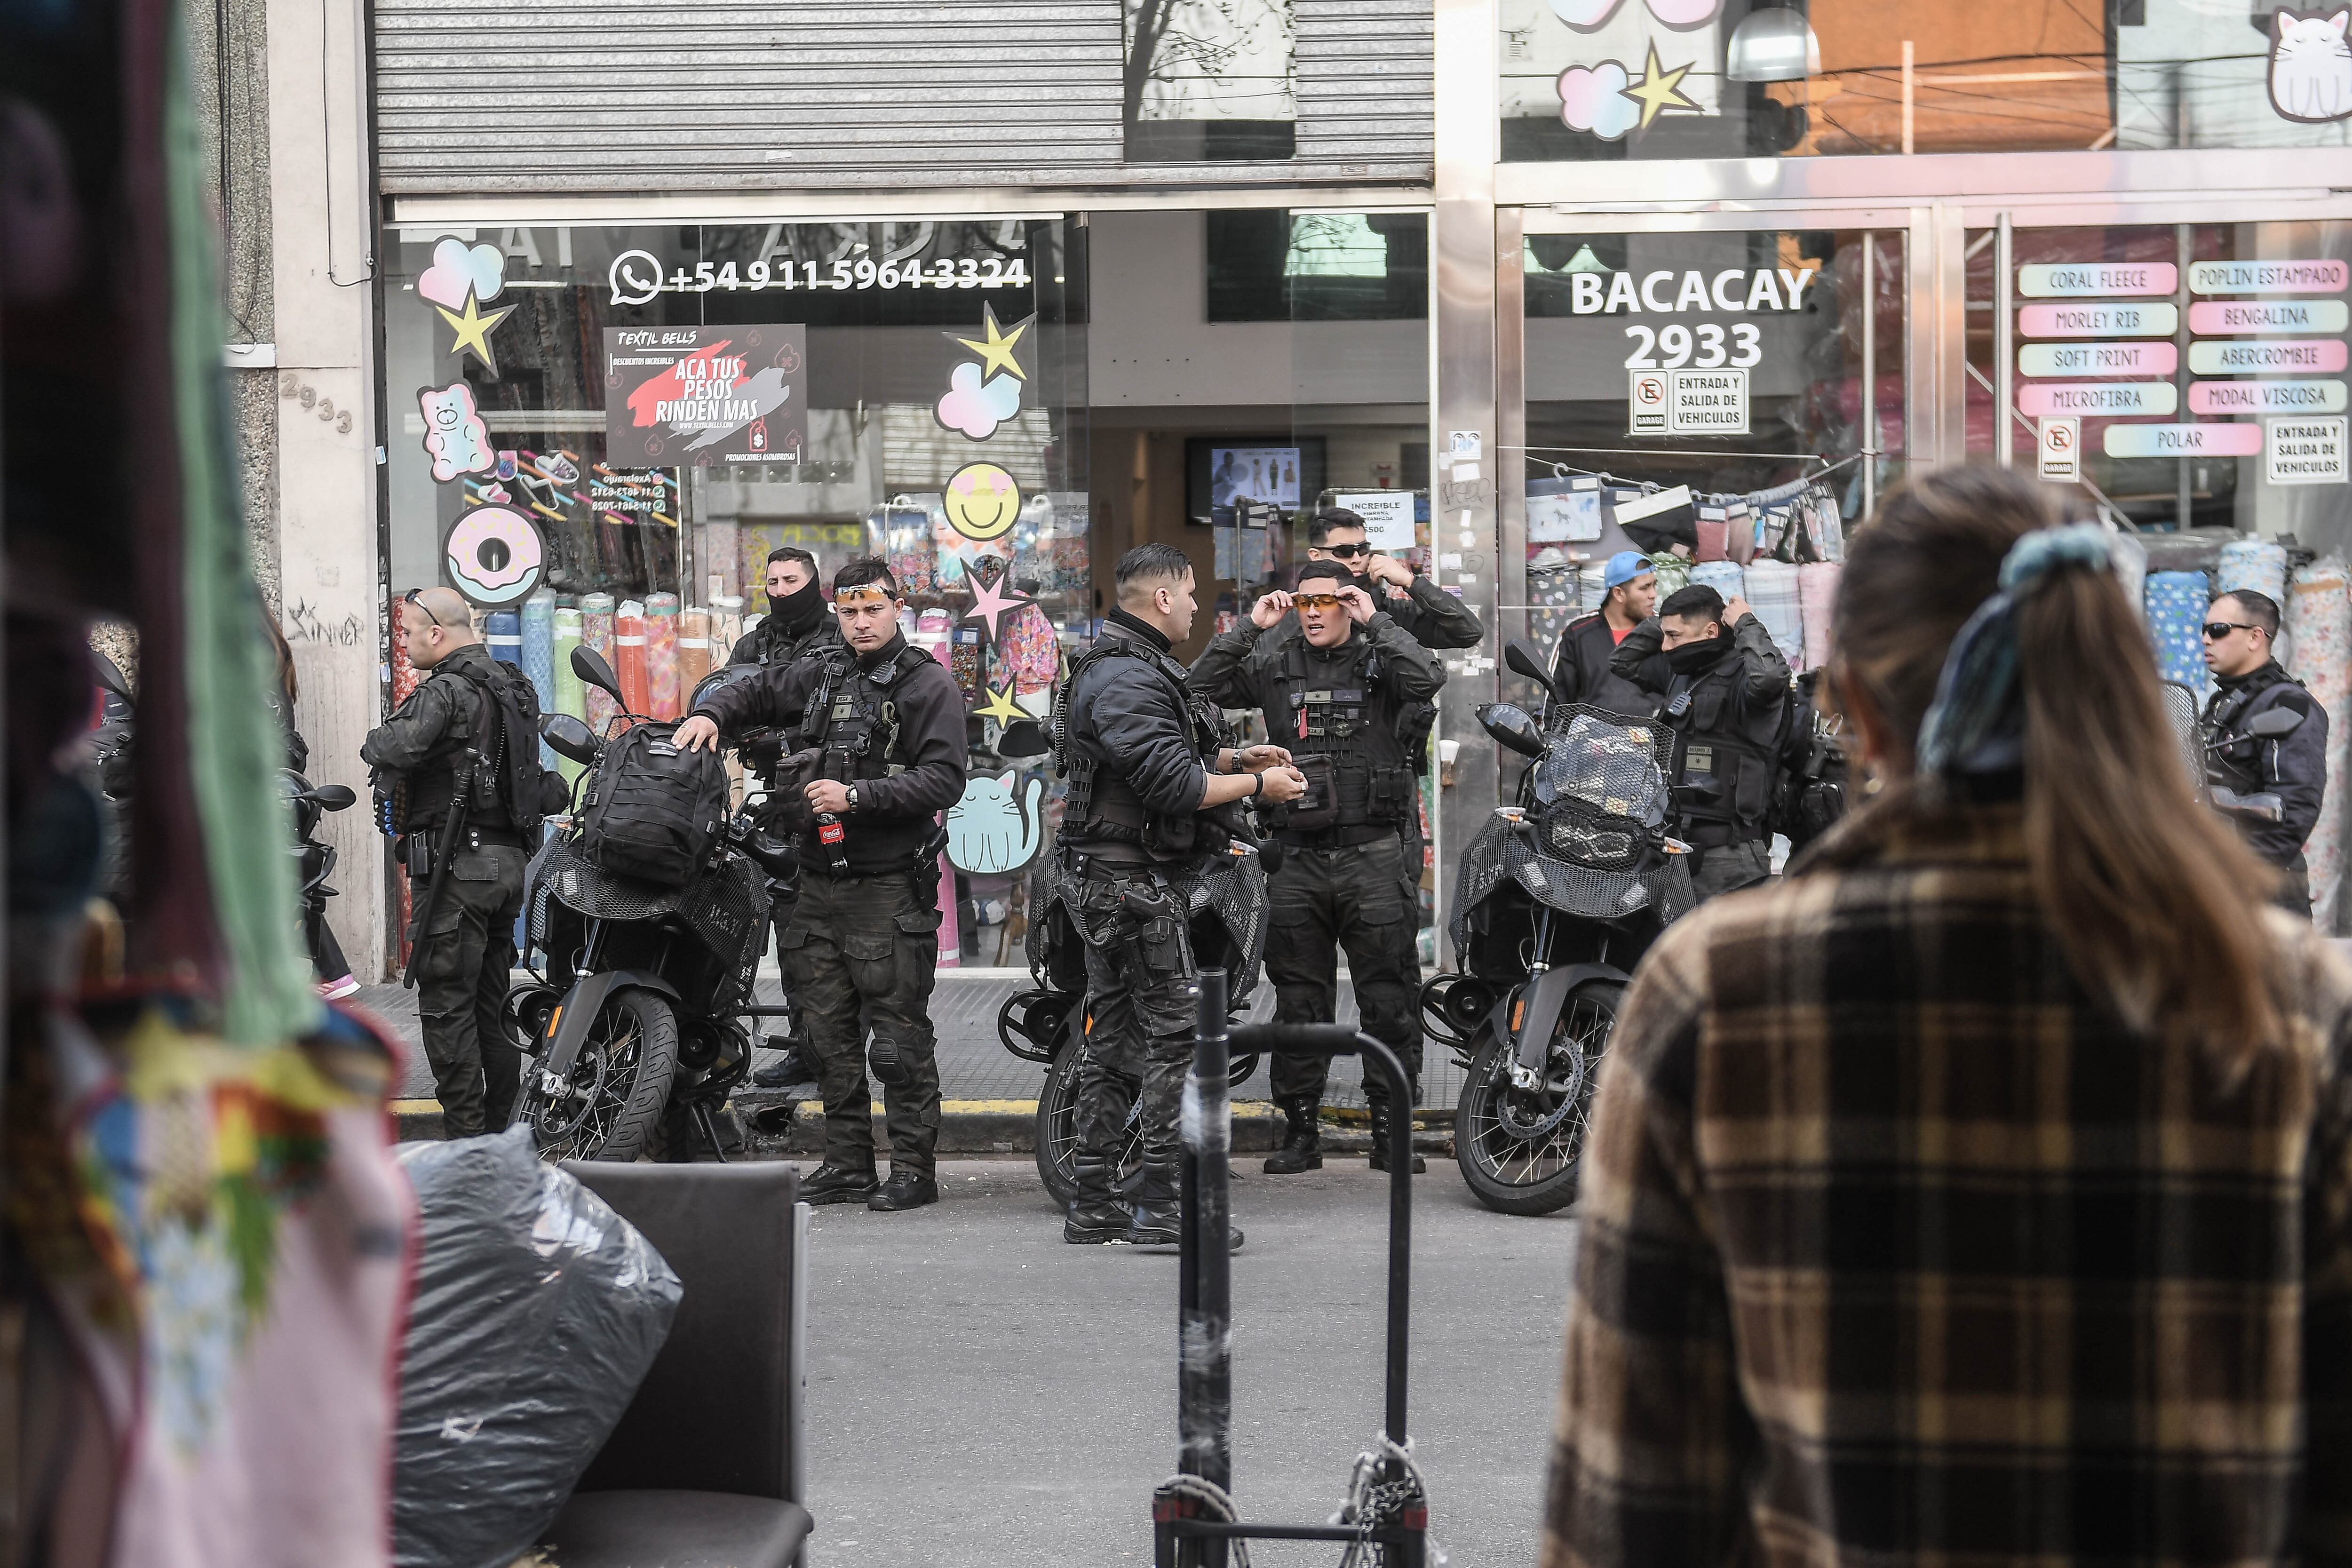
(616, 302)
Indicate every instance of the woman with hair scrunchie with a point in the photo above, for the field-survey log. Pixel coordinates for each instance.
(1983, 1191)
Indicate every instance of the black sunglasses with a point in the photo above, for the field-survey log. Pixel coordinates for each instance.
(411, 598)
(1347, 551)
(2216, 630)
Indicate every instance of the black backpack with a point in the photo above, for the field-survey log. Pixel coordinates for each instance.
(506, 731)
(653, 811)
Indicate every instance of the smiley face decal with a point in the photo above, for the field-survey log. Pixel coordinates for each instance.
(983, 501)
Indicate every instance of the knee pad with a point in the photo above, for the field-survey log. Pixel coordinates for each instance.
(888, 1061)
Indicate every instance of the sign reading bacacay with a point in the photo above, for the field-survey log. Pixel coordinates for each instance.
(1735, 290)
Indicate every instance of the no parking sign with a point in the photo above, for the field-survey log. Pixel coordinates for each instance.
(1646, 395)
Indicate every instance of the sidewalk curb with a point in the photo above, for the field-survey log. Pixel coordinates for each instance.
(982, 1127)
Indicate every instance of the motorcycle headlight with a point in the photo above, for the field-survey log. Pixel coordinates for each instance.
(1604, 845)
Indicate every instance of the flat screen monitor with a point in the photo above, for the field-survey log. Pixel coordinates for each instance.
(1281, 471)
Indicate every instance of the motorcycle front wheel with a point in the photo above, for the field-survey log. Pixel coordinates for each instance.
(1520, 1150)
(611, 1102)
(1057, 1123)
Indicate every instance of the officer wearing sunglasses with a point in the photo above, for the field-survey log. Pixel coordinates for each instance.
(2248, 681)
(1424, 612)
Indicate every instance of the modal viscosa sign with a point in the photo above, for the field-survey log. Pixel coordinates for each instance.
(1705, 345)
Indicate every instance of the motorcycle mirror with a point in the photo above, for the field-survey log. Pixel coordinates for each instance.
(568, 736)
(590, 665)
(1022, 738)
(107, 674)
(1511, 726)
(2271, 724)
(1522, 659)
(334, 797)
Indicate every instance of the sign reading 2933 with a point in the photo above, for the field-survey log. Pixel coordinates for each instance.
(1709, 345)
(636, 275)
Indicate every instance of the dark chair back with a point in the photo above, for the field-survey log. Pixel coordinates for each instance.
(720, 1411)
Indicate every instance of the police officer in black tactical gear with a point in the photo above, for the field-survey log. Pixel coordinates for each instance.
(881, 739)
(799, 623)
(444, 751)
(1724, 689)
(1152, 777)
(1423, 611)
(2240, 629)
(1352, 697)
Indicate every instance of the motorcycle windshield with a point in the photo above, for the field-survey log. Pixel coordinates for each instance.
(1608, 764)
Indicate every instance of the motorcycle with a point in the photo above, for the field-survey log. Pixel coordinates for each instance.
(313, 863)
(1227, 900)
(634, 1023)
(1556, 900)
(2263, 805)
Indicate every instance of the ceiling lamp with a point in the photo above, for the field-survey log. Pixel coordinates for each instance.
(1774, 45)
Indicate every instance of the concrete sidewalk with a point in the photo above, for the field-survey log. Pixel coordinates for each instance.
(990, 1095)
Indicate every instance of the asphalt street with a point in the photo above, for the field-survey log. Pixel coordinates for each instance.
(983, 1395)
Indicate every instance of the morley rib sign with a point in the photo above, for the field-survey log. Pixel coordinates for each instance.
(679, 397)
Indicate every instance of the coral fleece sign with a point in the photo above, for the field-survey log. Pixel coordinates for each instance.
(678, 397)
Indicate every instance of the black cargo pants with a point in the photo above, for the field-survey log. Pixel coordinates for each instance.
(1362, 898)
(868, 942)
(463, 962)
(1142, 1008)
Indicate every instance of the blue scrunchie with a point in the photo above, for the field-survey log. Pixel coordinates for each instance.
(1977, 725)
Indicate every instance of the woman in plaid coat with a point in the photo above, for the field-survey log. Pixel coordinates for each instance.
(1978, 1194)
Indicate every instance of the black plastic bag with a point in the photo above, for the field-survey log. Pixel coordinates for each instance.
(536, 1313)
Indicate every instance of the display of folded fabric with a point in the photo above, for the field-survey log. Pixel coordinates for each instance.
(2175, 610)
(1772, 594)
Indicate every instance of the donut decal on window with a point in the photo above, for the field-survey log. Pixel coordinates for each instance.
(493, 555)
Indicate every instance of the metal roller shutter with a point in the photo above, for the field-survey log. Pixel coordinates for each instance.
(559, 96)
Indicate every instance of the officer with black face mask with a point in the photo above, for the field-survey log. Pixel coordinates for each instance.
(1724, 689)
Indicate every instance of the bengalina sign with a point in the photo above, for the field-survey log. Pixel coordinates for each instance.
(685, 397)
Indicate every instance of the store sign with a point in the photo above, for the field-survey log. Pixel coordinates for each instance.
(2183, 440)
(2061, 445)
(1735, 291)
(1706, 403)
(2098, 398)
(2305, 451)
(2272, 356)
(676, 395)
(635, 276)
(2225, 316)
(2316, 277)
(2098, 359)
(1387, 514)
(2101, 320)
(2078, 280)
(2265, 397)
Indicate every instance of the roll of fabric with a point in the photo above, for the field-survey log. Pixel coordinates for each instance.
(568, 689)
(693, 651)
(1674, 573)
(661, 656)
(2129, 558)
(1772, 594)
(725, 628)
(2255, 563)
(1724, 576)
(596, 635)
(629, 656)
(1817, 583)
(720, 563)
(2319, 616)
(503, 633)
(2176, 609)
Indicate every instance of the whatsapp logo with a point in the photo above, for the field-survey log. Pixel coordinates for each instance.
(636, 276)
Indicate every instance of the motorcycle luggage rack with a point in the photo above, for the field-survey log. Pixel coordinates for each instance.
(1185, 1532)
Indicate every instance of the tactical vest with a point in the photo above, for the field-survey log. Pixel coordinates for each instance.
(1103, 807)
(1716, 742)
(853, 719)
(2236, 764)
(433, 780)
(1339, 708)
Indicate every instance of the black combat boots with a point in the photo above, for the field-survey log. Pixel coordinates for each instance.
(1094, 1215)
(1380, 1140)
(1302, 1141)
(832, 1183)
(1158, 1214)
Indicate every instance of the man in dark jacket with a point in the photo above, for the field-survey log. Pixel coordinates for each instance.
(1148, 769)
(799, 623)
(1724, 690)
(882, 728)
(2240, 629)
(1581, 671)
(438, 747)
(1427, 612)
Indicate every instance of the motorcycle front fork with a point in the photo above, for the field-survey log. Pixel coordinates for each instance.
(1527, 1078)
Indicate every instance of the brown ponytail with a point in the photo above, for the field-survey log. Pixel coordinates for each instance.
(2157, 905)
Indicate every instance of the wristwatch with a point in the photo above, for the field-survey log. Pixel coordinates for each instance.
(852, 793)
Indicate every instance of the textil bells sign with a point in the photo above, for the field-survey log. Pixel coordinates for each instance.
(685, 396)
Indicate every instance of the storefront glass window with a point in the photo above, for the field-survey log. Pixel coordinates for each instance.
(620, 424)
(1715, 79)
(1740, 393)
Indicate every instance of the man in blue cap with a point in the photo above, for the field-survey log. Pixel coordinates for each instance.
(1581, 669)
